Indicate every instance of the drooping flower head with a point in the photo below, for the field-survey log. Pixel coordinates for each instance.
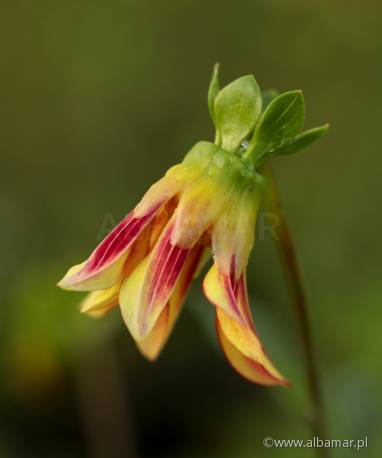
(206, 205)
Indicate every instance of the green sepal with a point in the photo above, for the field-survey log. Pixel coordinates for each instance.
(213, 90)
(200, 154)
(302, 141)
(236, 109)
(279, 124)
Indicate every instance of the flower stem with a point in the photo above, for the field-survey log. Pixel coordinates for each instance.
(294, 280)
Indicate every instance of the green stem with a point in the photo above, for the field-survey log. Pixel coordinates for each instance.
(295, 284)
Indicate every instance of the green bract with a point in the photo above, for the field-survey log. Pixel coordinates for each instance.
(301, 141)
(256, 126)
(213, 91)
(221, 163)
(252, 133)
(281, 121)
(236, 110)
(200, 153)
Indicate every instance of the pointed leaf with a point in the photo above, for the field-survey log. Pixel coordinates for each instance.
(302, 141)
(281, 121)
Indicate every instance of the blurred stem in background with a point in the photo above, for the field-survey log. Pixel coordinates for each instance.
(103, 404)
(294, 280)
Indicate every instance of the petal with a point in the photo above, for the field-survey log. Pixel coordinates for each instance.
(233, 233)
(161, 220)
(162, 191)
(104, 266)
(220, 290)
(153, 343)
(137, 253)
(199, 206)
(98, 303)
(248, 368)
(236, 331)
(146, 292)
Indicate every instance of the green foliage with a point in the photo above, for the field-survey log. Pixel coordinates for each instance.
(236, 113)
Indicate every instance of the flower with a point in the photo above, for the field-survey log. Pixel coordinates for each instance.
(207, 203)
(147, 263)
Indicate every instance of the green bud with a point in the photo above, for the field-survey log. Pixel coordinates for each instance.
(236, 110)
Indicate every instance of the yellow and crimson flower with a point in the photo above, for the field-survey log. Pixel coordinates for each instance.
(147, 263)
(207, 203)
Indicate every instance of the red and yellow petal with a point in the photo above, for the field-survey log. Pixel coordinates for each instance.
(248, 368)
(163, 190)
(98, 303)
(237, 336)
(105, 264)
(161, 221)
(244, 351)
(221, 289)
(153, 343)
(145, 293)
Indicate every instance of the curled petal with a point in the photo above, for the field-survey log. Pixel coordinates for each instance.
(105, 264)
(221, 290)
(236, 331)
(153, 343)
(244, 351)
(248, 368)
(145, 293)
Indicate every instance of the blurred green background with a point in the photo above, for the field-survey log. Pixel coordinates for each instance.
(97, 100)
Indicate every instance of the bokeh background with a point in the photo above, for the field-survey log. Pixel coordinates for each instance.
(97, 100)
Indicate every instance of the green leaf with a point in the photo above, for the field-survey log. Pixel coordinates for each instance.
(213, 90)
(279, 124)
(302, 141)
(236, 110)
